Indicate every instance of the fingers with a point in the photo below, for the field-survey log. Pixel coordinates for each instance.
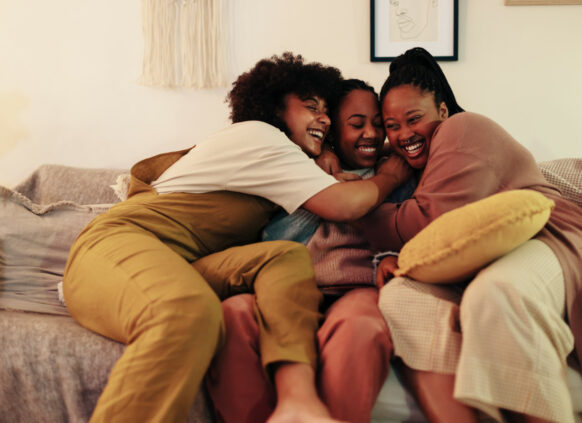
(346, 176)
(386, 269)
(380, 279)
(329, 162)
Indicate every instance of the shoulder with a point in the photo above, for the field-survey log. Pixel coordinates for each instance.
(252, 134)
(465, 122)
(245, 136)
(253, 127)
(477, 138)
(470, 127)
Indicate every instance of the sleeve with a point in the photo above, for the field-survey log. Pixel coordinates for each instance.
(460, 170)
(279, 171)
(298, 226)
(251, 158)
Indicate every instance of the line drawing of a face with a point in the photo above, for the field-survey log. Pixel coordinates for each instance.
(413, 20)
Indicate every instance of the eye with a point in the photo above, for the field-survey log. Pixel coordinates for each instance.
(414, 119)
(357, 125)
(391, 127)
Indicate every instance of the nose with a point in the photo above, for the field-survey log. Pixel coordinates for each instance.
(405, 133)
(371, 131)
(324, 118)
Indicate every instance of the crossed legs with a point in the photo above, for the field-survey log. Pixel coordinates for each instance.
(131, 287)
(500, 346)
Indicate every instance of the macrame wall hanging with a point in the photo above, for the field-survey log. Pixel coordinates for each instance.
(184, 43)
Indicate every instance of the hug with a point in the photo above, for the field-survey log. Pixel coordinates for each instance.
(243, 265)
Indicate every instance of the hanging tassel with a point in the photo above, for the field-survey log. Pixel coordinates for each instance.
(202, 44)
(159, 19)
(184, 43)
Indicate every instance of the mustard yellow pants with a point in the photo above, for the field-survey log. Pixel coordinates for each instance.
(125, 280)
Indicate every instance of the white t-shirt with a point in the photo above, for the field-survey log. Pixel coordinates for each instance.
(248, 157)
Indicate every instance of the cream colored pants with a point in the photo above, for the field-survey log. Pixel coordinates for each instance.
(504, 336)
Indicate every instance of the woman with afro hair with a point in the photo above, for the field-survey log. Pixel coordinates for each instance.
(152, 271)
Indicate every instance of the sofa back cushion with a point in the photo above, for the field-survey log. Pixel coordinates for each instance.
(41, 218)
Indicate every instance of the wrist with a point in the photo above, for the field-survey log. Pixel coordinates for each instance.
(388, 182)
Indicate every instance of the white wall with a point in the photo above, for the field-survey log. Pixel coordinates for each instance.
(69, 70)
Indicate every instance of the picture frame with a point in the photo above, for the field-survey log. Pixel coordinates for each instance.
(398, 25)
(541, 2)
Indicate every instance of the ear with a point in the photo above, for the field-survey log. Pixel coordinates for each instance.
(443, 111)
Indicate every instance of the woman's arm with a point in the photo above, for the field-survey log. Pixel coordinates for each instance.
(331, 165)
(351, 200)
(471, 158)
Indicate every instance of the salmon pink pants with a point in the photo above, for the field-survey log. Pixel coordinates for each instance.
(354, 353)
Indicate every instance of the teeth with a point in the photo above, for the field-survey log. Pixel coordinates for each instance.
(413, 148)
(315, 133)
(367, 149)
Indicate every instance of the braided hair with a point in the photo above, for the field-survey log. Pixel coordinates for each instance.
(418, 67)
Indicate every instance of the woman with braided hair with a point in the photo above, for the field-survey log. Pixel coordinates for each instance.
(498, 342)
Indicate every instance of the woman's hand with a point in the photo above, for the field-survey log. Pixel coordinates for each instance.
(385, 270)
(346, 176)
(329, 162)
(395, 166)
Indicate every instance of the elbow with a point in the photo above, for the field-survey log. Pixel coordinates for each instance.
(347, 213)
(342, 202)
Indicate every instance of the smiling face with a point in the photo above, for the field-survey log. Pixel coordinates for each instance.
(410, 118)
(307, 122)
(359, 131)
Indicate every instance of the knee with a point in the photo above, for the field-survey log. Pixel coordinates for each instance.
(186, 317)
(238, 307)
(485, 300)
(364, 332)
(392, 300)
(371, 331)
(293, 253)
(241, 335)
(239, 315)
(290, 247)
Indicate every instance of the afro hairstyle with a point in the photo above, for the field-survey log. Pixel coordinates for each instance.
(259, 94)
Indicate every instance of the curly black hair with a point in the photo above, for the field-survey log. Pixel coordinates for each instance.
(259, 94)
(419, 68)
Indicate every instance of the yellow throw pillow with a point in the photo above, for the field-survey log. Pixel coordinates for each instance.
(457, 244)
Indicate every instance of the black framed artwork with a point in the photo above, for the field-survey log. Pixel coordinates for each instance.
(397, 25)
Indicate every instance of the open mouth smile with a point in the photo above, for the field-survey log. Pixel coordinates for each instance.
(316, 133)
(414, 147)
(367, 149)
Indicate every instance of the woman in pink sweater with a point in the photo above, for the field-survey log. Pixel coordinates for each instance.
(499, 342)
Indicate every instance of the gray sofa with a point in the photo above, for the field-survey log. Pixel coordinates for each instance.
(52, 369)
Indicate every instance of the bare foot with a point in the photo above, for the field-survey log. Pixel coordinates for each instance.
(297, 399)
(291, 412)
